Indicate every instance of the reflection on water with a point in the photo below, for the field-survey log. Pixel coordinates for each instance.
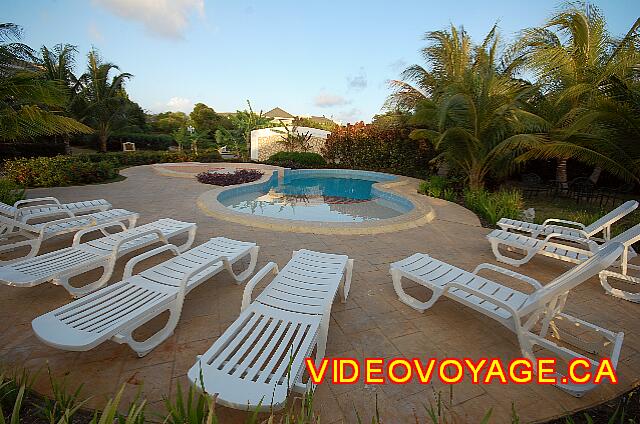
(316, 199)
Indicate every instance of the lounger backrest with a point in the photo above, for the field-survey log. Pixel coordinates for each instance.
(628, 237)
(575, 276)
(7, 209)
(307, 284)
(613, 216)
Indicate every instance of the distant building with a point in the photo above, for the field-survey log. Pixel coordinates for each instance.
(280, 116)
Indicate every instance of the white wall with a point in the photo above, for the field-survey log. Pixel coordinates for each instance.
(264, 133)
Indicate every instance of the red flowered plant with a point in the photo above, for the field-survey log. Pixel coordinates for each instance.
(241, 176)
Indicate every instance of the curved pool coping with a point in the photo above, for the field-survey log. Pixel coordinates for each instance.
(404, 187)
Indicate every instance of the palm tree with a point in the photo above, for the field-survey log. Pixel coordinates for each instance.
(448, 55)
(57, 65)
(469, 105)
(102, 102)
(574, 58)
(30, 105)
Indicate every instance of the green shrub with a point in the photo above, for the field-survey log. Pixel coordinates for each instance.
(58, 171)
(30, 150)
(296, 160)
(493, 206)
(91, 168)
(10, 191)
(377, 148)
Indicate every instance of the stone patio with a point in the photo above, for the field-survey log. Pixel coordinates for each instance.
(371, 323)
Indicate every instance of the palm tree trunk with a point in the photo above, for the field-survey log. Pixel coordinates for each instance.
(595, 175)
(561, 173)
(67, 145)
(103, 142)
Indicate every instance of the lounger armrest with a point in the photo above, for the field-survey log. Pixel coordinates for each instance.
(531, 281)
(248, 288)
(551, 221)
(78, 236)
(36, 200)
(484, 296)
(592, 245)
(128, 238)
(131, 263)
(204, 266)
(92, 222)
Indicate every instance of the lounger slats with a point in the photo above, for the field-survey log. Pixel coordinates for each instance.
(77, 259)
(104, 314)
(260, 357)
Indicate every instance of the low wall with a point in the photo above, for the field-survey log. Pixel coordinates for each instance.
(267, 141)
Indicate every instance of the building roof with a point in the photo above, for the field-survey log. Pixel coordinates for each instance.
(322, 120)
(276, 112)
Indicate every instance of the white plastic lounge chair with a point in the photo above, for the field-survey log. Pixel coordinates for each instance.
(260, 357)
(518, 311)
(116, 311)
(579, 252)
(39, 232)
(50, 205)
(61, 265)
(571, 228)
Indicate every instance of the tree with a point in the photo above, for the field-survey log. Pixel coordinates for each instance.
(574, 59)
(102, 102)
(205, 118)
(31, 105)
(239, 137)
(168, 122)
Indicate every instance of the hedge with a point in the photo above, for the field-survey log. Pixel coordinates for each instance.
(142, 141)
(297, 160)
(375, 148)
(87, 169)
(30, 150)
(58, 171)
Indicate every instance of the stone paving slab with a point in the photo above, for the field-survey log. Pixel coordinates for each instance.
(372, 322)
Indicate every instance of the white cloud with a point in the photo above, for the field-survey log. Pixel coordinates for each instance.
(398, 65)
(349, 116)
(180, 104)
(357, 82)
(329, 100)
(94, 32)
(167, 18)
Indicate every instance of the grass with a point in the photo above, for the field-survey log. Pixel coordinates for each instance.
(584, 213)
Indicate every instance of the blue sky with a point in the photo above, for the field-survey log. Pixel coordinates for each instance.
(330, 58)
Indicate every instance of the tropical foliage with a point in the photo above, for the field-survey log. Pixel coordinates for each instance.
(238, 138)
(377, 148)
(471, 103)
(31, 105)
(297, 160)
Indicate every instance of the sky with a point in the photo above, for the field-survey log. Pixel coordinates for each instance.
(330, 58)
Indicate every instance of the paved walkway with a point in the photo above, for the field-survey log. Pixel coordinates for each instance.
(372, 322)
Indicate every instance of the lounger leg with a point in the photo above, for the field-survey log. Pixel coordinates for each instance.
(34, 249)
(346, 284)
(396, 276)
(187, 244)
(622, 294)
(77, 292)
(144, 347)
(495, 247)
(253, 254)
(527, 340)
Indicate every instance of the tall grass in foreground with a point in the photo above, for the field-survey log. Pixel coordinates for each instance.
(19, 404)
(496, 205)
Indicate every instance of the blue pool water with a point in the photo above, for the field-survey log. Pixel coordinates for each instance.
(318, 195)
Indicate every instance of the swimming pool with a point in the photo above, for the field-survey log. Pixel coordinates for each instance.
(318, 195)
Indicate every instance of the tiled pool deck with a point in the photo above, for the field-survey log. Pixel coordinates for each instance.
(371, 323)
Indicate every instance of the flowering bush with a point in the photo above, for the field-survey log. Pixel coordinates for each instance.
(377, 148)
(241, 176)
